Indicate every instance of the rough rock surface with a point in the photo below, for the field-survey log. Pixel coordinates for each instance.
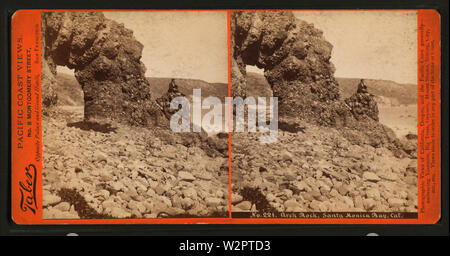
(331, 154)
(164, 101)
(295, 58)
(320, 171)
(363, 103)
(106, 59)
(142, 173)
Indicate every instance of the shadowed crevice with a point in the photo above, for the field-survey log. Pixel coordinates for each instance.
(93, 126)
(81, 206)
(255, 196)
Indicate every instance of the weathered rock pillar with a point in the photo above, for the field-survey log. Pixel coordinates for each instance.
(106, 59)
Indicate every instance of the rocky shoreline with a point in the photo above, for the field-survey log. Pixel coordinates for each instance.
(130, 172)
(320, 171)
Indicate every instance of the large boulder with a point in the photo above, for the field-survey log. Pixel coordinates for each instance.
(106, 58)
(295, 58)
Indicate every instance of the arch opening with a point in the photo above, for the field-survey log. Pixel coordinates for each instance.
(258, 86)
(296, 62)
(296, 58)
(105, 58)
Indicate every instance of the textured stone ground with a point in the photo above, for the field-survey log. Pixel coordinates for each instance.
(127, 173)
(319, 170)
(139, 172)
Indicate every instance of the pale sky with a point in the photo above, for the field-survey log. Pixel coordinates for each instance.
(370, 44)
(193, 44)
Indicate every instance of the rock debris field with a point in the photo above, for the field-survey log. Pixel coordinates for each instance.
(333, 153)
(127, 172)
(320, 171)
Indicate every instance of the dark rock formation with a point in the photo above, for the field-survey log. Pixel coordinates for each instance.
(164, 101)
(106, 59)
(296, 62)
(363, 103)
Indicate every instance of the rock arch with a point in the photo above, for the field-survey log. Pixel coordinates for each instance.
(296, 62)
(105, 57)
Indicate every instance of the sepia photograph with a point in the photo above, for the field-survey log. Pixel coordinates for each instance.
(345, 84)
(322, 117)
(108, 80)
(266, 119)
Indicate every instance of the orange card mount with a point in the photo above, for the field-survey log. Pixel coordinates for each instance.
(90, 111)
